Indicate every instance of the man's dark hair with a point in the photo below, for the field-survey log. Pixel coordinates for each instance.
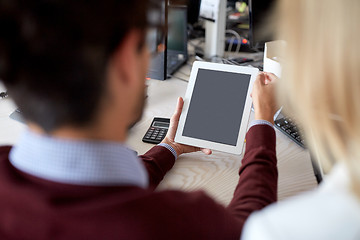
(53, 54)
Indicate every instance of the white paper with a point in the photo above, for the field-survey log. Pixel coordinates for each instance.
(272, 56)
(209, 9)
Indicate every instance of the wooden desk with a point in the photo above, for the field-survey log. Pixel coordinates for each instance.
(217, 174)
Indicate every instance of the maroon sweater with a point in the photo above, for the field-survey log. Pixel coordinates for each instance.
(34, 208)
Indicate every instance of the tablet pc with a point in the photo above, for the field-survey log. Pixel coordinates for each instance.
(217, 107)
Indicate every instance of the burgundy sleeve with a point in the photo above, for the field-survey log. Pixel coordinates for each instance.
(158, 161)
(257, 185)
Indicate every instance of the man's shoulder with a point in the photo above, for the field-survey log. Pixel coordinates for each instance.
(5, 148)
(198, 213)
(191, 204)
(180, 199)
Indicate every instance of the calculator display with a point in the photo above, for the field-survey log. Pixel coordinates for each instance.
(161, 124)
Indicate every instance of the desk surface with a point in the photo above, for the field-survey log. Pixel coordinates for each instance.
(217, 174)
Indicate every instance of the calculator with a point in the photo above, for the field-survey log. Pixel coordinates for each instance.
(157, 130)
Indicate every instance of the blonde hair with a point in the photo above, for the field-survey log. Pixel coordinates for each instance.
(320, 83)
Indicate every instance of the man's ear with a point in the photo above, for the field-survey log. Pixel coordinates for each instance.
(124, 60)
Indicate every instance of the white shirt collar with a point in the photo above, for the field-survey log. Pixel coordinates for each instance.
(91, 163)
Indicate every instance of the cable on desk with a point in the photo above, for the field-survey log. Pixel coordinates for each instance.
(238, 38)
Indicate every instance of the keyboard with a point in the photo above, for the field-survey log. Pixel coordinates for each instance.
(290, 129)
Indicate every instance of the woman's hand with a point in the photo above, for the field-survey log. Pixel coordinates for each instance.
(263, 95)
(169, 138)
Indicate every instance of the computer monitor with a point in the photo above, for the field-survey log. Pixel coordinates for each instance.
(177, 38)
(261, 29)
(193, 9)
(158, 39)
(173, 42)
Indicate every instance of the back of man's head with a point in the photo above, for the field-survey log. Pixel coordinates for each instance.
(53, 54)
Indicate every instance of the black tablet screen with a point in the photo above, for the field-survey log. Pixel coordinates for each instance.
(216, 106)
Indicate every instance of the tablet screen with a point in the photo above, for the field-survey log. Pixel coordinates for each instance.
(216, 107)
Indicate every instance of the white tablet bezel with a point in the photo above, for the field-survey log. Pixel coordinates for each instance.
(237, 149)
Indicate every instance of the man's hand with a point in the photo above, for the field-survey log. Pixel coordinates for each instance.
(169, 139)
(263, 95)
